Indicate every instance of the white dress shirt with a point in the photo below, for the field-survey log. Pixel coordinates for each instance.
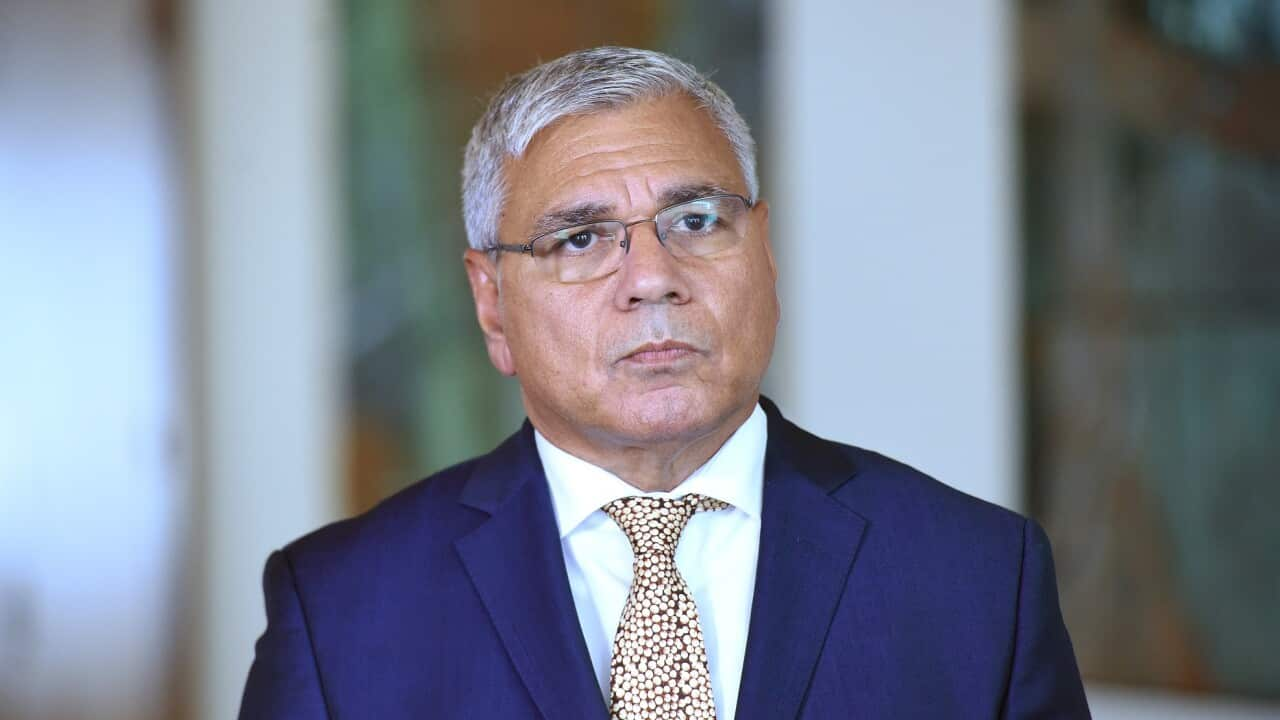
(716, 555)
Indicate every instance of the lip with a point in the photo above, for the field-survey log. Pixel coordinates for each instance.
(660, 353)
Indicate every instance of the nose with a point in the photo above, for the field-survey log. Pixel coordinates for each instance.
(649, 274)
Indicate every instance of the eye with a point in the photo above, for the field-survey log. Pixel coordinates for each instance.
(581, 240)
(695, 222)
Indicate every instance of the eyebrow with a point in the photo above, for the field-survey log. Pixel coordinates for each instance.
(590, 212)
(691, 191)
(579, 214)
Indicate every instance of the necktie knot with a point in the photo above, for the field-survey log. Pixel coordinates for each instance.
(654, 525)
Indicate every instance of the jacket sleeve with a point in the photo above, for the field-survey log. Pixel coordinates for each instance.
(284, 681)
(1044, 681)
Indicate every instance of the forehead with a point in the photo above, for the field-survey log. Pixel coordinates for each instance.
(625, 158)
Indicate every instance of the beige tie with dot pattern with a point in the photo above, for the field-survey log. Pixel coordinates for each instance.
(659, 664)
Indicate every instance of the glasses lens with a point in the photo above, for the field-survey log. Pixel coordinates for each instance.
(703, 227)
(581, 253)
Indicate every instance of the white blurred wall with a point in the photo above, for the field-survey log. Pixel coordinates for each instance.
(261, 83)
(136, 356)
(894, 224)
(91, 474)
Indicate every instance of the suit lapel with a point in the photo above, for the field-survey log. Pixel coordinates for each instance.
(516, 563)
(808, 543)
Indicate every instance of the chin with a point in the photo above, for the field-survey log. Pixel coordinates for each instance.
(664, 414)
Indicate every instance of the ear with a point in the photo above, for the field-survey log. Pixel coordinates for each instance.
(482, 272)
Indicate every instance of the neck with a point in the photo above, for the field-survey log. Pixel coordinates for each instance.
(650, 466)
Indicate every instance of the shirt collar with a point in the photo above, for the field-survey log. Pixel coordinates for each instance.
(735, 474)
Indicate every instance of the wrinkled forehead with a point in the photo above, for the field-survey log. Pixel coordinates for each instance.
(635, 157)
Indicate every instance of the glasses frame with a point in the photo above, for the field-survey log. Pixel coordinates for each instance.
(527, 248)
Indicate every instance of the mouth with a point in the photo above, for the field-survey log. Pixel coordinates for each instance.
(662, 353)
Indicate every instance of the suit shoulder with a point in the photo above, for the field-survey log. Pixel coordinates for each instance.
(918, 524)
(893, 490)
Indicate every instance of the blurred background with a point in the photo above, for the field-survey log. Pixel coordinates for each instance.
(232, 306)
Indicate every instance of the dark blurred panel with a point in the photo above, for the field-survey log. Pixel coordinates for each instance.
(1151, 169)
(417, 76)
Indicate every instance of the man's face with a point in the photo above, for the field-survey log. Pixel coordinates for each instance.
(661, 350)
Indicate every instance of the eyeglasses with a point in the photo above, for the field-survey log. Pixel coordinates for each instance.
(582, 253)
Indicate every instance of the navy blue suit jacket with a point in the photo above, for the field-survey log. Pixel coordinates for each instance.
(880, 593)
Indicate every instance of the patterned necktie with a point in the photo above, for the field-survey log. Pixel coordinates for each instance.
(659, 664)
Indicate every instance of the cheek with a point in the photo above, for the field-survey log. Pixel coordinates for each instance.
(747, 312)
(550, 336)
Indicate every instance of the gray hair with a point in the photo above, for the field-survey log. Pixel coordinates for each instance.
(579, 83)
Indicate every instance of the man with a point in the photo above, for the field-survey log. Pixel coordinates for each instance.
(657, 541)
